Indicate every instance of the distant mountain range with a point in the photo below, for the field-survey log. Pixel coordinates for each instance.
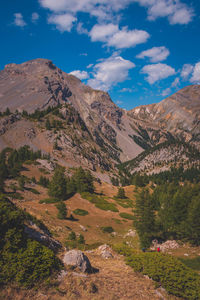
(86, 127)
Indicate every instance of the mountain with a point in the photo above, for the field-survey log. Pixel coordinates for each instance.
(179, 114)
(86, 127)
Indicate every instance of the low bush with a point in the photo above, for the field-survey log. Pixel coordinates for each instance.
(126, 216)
(193, 263)
(166, 270)
(107, 229)
(22, 260)
(126, 202)
(80, 212)
(49, 200)
(100, 202)
(34, 191)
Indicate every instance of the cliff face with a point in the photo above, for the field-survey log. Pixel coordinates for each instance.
(95, 133)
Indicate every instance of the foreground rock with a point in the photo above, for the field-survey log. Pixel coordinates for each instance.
(105, 251)
(78, 259)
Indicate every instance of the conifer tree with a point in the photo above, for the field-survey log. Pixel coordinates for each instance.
(144, 218)
(57, 186)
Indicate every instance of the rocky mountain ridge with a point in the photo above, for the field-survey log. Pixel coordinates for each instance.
(95, 132)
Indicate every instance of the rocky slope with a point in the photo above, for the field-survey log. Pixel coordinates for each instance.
(179, 114)
(95, 132)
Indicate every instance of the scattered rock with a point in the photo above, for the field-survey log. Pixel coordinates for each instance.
(46, 164)
(186, 254)
(61, 275)
(131, 233)
(83, 228)
(105, 251)
(164, 246)
(78, 259)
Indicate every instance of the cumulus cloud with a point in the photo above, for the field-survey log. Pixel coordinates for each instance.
(108, 72)
(176, 11)
(103, 32)
(196, 74)
(102, 9)
(114, 37)
(80, 74)
(63, 22)
(35, 17)
(157, 72)
(186, 71)
(19, 20)
(155, 54)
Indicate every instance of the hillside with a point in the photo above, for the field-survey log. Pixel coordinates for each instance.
(94, 131)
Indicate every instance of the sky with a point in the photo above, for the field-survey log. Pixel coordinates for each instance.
(139, 51)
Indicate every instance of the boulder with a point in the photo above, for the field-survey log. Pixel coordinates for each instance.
(105, 251)
(77, 259)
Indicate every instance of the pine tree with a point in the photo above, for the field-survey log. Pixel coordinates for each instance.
(57, 186)
(62, 210)
(193, 222)
(121, 193)
(144, 221)
(48, 124)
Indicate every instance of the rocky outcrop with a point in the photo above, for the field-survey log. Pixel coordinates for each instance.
(77, 259)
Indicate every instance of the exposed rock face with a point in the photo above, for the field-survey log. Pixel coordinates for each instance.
(178, 114)
(100, 134)
(77, 259)
(36, 234)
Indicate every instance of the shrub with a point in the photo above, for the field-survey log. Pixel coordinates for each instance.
(80, 212)
(107, 229)
(167, 270)
(126, 216)
(34, 191)
(22, 260)
(49, 200)
(99, 202)
(62, 210)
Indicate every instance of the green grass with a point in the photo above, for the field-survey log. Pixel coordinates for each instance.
(80, 212)
(126, 202)
(100, 202)
(193, 263)
(49, 200)
(126, 216)
(34, 191)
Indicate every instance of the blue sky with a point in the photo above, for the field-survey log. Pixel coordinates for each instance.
(140, 51)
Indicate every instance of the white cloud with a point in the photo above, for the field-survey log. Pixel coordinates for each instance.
(128, 38)
(19, 20)
(176, 82)
(157, 72)
(109, 72)
(63, 22)
(186, 71)
(166, 92)
(155, 54)
(103, 32)
(196, 74)
(80, 74)
(102, 9)
(114, 37)
(35, 17)
(126, 90)
(176, 11)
